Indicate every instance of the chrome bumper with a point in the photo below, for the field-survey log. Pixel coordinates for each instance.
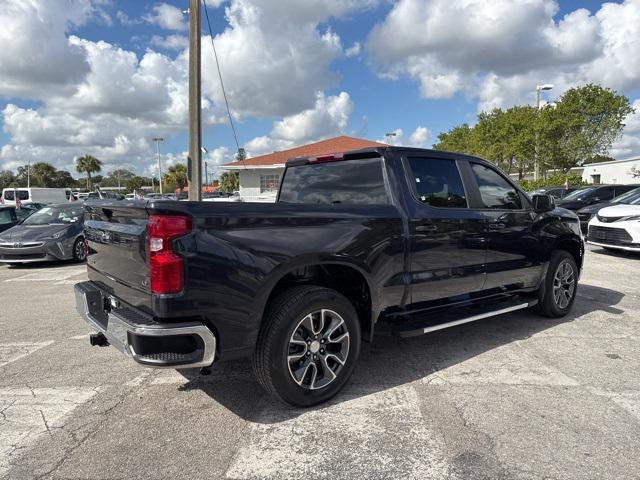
(124, 329)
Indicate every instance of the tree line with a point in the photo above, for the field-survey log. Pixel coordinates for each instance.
(43, 174)
(579, 128)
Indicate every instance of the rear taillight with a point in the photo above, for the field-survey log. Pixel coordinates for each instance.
(166, 269)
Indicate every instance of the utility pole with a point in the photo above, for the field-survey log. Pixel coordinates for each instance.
(158, 140)
(536, 164)
(29, 174)
(195, 125)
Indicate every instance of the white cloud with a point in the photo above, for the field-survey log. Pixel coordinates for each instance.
(329, 117)
(35, 56)
(167, 16)
(418, 138)
(497, 51)
(354, 50)
(629, 145)
(170, 42)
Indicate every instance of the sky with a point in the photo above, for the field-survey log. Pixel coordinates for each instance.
(103, 77)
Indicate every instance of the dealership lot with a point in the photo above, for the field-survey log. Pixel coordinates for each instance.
(515, 396)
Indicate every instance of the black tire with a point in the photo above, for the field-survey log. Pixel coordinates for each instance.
(283, 320)
(555, 297)
(79, 250)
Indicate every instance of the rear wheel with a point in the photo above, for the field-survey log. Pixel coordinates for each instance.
(80, 250)
(308, 345)
(558, 292)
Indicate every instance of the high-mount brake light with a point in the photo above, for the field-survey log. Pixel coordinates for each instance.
(166, 269)
(326, 158)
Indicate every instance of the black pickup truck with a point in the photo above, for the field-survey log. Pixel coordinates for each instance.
(385, 240)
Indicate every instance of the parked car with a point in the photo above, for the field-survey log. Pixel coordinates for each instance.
(394, 240)
(54, 232)
(593, 194)
(617, 227)
(10, 215)
(105, 195)
(587, 213)
(34, 195)
(556, 192)
(221, 197)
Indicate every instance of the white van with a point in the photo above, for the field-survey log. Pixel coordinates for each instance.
(34, 195)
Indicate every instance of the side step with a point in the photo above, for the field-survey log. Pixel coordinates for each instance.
(451, 317)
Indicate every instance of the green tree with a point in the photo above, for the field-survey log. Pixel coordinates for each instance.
(63, 179)
(229, 182)
(111, 180)
(135, 183)
(583, 124)
(6, 179)
(88, 164)
(458, 139)
(176, 176)
(42, 174)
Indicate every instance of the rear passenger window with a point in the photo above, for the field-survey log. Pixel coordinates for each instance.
(438, 182)
(495, 191)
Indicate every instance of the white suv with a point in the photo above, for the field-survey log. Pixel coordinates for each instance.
(616, 227)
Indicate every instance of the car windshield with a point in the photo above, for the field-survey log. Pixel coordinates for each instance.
(55, 215)
(579, 194)
(630, 197)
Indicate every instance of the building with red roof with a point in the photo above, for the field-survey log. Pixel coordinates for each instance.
(260, 176)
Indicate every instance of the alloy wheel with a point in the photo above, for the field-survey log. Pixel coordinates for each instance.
(564, 284)
(318, 349)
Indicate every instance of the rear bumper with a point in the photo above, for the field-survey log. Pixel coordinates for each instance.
(181, 345)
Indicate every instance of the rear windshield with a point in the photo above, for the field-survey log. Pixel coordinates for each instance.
(580, 194)
(342, 182)
(22, 195)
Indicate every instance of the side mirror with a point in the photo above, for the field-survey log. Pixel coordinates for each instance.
(543, 203)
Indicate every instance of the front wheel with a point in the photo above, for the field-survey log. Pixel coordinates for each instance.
(308, 345)
(80, 250)
(558, 292)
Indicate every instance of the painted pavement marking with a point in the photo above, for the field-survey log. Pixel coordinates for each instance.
(367, 435)
(10, 352)
(51, 275)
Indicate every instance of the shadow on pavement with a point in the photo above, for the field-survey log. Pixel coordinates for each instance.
(390, 361)
(615, 253)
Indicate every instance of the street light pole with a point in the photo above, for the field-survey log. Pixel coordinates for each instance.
(195, 112)
(158, 140)
(28, 173)
(536, 165)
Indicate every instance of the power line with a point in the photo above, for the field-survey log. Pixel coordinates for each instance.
(224, 92)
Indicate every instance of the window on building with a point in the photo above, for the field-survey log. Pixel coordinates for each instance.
(269, 183)
(438, 182)
(595, 179)
(495, 191)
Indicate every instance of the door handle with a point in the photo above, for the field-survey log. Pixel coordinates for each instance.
(497, 226)
(427, 228)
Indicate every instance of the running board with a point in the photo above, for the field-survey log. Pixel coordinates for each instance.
(454, 317)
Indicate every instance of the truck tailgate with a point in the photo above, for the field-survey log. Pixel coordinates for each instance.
(116, 238)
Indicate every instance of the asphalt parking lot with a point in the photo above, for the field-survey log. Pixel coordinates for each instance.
(514, 397)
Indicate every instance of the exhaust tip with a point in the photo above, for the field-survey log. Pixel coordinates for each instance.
(98, 340)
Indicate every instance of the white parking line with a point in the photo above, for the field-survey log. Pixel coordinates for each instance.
(10, 352)
(375, 435)
(26, 414)
(51, 275)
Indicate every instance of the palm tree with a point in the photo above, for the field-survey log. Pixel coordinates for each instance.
(229, 182)
(88, 164)
(176, 175)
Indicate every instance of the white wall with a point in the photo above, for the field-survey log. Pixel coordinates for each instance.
(612, 172)
(250, 184)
